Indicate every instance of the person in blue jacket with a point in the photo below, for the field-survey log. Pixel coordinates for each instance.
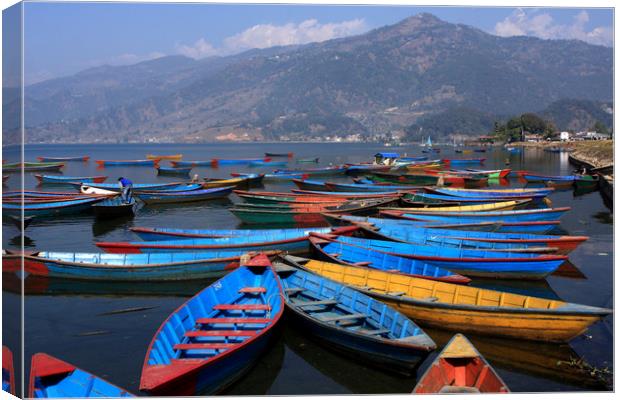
(125, 185)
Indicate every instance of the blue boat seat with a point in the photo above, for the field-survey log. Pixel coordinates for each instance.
(373, 331)
(328, 302)
(294, 290)
(345, 317)
(242, 307)
(204, 346)
(239, 333)
(233, 321)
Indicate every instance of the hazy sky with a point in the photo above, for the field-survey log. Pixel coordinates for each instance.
(64, 38)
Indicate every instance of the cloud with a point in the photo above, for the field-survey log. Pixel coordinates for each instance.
(520, 23)
(267, 35)
(201, 48)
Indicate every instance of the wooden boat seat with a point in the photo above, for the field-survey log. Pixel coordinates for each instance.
(294, 290)
(204, 346)
(328, 302)
(363, 263)
(253, 290)
(233, 320)
(458, 389)
(239, 333)
(344, 317)
(242, 307)
(373, 331)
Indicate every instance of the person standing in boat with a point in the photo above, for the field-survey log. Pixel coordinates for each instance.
(125, 185)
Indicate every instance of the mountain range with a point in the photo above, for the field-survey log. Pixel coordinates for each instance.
(383, 81)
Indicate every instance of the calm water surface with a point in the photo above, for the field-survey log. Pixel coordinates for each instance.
(69, 320)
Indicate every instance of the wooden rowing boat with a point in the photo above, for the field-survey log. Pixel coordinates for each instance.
(426, 214)
(327, 249)
(157, 234)
(288, 155)
(173, 157)
(115, 163)
(63, 159)
(460, 368)
(352, 321)
(463, 161)
(162, 197)
(50, 208)
(59, 179)
(151, 267)
(495, 206)
(114, 207)
(308, 160)
(32, 166)
(468, 262)
(466, 309)
(8, 371)
(216, 336)
(236, 161)
(276, 239)
(511, 193)
(173, 171)
(210, 183)
(54, 378)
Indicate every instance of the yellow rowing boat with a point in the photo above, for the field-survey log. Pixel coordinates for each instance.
(502, 205)
(215, 183)
(173, 157)
(463, 308)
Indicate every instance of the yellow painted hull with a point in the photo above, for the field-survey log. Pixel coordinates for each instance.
(467, 309)
(222, 183)
(173, 157)
(504, 205)
(425, 166)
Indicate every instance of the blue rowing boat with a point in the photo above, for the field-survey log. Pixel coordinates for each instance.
(284, 177)
(543, 214)
(206, 163)
(125, 267)
(54, 378)
(438, 237)
(361, 187)
(155, 234)
(538, 227)
(237, 161)
(414, 159)
(340, 194)
(216, 336)
(161, 197)
(140, 187)
(352, 321)
(429, 198)
(463, 161)
(485, 264)
(123, 163)
(263, 163)
(114, 207)
(470, 238)
(65, 179)
(50, 208)
(327, 248)
(285, 240)
(549, 178)
(335, 170)
(63, 159)
(308, 184)
(174, 171)
(493, 193)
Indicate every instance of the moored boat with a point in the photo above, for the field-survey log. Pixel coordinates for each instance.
(251, 179)
(32, 166)
(460, 368)
(54, 378)
(530, 177)
(506, 193)
(327, 248)
(289, 155)
(217, 335)
(114, 207)
(308, 160)
(206, 163)
(46, 207)
(308, 184)
(138, 187)
(468, 262)
(236, 161)
(63, 159)
(112, 163)
(8, 371)
(156, 234)
(333, 170)
(463, 161)
(353, 322)
(151, 267)
(209, 183)
(466, 309)
(495, 206)
(162, 197)
(173, 171)
(545, 214)
(361, 187)
(262, 163)
(60, 179)
(173, 157)
(284, 240)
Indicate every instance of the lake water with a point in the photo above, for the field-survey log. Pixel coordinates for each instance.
(69, 320)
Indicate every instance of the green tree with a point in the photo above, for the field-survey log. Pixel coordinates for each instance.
(600, 127)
